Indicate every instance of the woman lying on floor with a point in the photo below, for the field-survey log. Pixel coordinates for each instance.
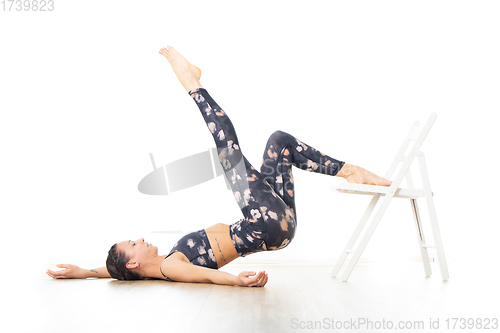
(266, 199)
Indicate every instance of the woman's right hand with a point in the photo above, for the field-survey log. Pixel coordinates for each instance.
(252, 279)
(70, 272)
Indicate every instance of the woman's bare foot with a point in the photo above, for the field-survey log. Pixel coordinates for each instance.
(358, 175)
(188, 74)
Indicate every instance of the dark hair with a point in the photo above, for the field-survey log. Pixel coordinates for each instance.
(116, 265)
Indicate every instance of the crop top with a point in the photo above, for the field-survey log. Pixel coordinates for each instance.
(196, 247)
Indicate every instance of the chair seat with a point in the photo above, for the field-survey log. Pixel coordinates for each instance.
(373, 190)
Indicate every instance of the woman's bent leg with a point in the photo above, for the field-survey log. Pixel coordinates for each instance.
(282, 151)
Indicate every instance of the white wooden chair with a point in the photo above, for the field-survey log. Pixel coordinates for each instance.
(413, 142)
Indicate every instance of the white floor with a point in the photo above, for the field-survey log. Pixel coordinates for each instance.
(296, 299)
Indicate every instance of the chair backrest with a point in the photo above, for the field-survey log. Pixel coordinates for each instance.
(411, 144)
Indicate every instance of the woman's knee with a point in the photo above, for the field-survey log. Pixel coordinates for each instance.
(278, 136)
(280, 139)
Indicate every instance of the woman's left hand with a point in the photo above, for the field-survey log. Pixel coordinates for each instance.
(70, 272)
(252, 279)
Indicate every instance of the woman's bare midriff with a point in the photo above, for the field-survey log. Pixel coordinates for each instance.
(221, 243)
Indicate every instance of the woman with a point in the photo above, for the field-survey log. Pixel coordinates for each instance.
(266, 199)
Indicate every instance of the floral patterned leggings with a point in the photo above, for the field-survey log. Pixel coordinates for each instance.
(266, 198)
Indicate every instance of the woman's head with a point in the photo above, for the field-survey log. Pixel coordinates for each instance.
(126, 259)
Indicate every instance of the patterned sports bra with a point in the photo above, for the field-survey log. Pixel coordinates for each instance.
(196, 247)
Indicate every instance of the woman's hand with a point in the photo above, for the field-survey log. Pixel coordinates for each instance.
(70, 272)
(252, 279)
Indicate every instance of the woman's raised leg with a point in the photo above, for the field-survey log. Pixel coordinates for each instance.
(269, 223)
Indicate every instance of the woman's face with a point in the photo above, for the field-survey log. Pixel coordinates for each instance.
(138, 251)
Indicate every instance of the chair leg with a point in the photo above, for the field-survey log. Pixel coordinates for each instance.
(433, 217)
(369, 232)
(421, 240)
(354, 236)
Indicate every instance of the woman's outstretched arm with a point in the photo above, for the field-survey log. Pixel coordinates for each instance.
(75, 272)
(180, 271)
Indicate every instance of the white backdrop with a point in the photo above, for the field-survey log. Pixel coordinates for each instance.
(85, 97)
